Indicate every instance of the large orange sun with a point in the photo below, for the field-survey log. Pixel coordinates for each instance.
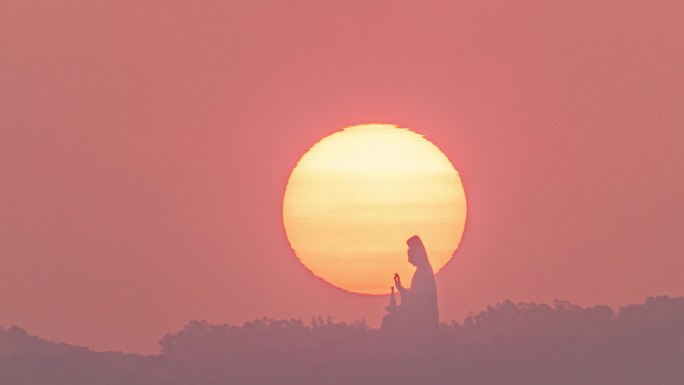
(356, 196)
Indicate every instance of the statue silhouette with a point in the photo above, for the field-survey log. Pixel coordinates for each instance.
(418, 309)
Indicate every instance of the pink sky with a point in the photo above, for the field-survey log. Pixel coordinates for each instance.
(145, 147)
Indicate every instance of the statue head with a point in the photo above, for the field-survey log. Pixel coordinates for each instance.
(417, 256)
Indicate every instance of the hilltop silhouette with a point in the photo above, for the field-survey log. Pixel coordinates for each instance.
(524, 343)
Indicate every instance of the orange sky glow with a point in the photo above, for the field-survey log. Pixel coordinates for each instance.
(162, 162)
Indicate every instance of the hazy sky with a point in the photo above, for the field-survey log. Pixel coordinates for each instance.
(145, 147)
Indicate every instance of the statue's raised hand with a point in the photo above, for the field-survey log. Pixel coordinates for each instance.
(397, 282)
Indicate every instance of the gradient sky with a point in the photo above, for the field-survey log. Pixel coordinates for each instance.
(145, 147)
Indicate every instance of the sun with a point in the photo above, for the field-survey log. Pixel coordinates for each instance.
(357, 195)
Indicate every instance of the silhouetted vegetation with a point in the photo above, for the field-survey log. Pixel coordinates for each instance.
(200, 340)
(524, 343)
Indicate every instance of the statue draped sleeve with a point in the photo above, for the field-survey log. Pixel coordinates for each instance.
(419, 304)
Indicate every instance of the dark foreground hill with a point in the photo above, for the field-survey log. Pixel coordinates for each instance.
(507, 344)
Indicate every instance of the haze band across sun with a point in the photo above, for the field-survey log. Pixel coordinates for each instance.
(356, 196)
